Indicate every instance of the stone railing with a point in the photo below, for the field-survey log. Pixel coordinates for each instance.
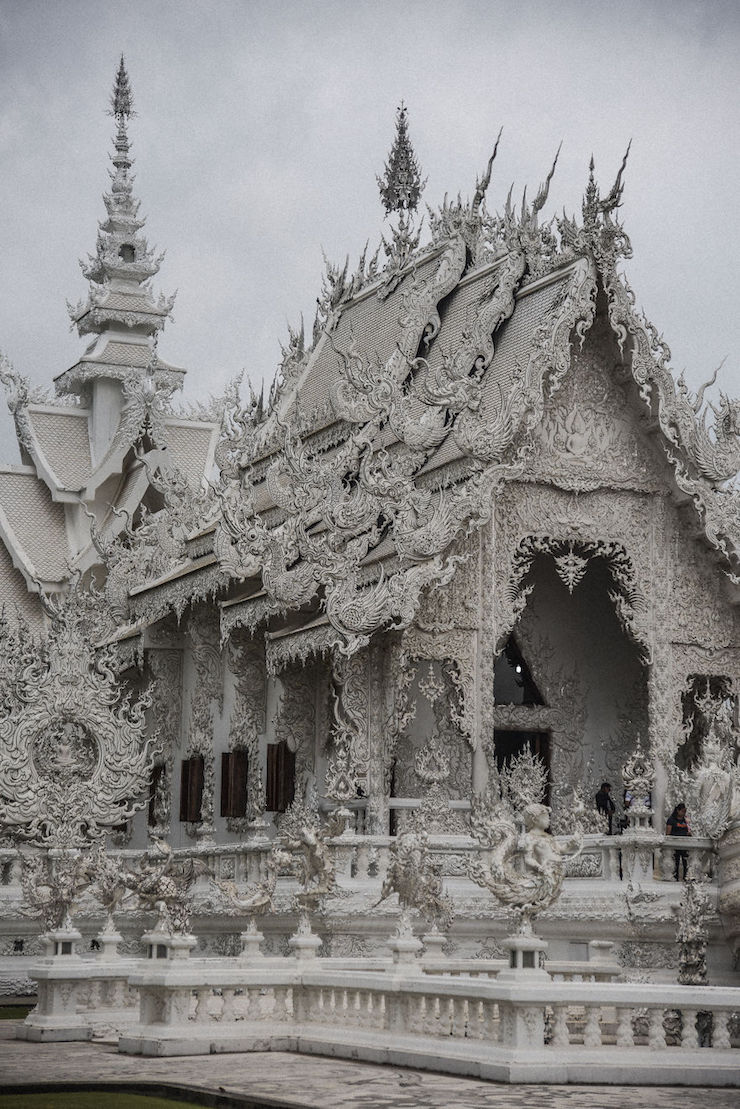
(517, 1030)
(80, 998)
(361, 857)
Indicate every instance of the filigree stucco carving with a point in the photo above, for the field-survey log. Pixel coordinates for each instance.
(534, 519)
(75, 759)
(165, 668)
(295, 724)
(348, 765)
(245, 658)
(588, 437)
(206, 703)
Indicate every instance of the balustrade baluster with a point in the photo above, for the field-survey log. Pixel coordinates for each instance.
(560, 1033)
(201, 1005)
(414, 1017)
(625, 1030)
(592, 1029)
(689, 1034)
(227, 1009)
(720, 1029)
(656, 1031)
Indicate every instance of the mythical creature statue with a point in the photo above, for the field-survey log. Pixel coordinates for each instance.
(53, 884)
(302, 848)
(161, 877)
(417, 880)
(107, 877)
(714, 451)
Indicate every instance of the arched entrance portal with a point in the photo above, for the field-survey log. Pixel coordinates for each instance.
(571, 683)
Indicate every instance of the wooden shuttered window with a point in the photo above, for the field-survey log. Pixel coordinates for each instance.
(191, 789)
(234, 768)
(280, 789)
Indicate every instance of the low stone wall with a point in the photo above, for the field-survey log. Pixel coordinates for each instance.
(517, 1030)
(504, 1024)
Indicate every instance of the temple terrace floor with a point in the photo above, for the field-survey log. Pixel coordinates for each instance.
(307, 1082)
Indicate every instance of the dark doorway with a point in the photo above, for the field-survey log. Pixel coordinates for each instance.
(513, 683)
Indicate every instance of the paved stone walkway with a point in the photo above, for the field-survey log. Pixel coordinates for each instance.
(308, 1082)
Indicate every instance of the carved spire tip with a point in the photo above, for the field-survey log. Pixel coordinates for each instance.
(122, 100)
(401, 185)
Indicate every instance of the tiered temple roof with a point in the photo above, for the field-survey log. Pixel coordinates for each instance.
(89, 459)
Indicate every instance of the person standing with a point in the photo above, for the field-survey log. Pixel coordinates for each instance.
(604, 803)
(678, 825)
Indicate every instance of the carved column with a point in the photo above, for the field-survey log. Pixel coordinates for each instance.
(206, 702)
(347, 771)
(379, 710)
(246, 661)
(295, 723)
(165, 670)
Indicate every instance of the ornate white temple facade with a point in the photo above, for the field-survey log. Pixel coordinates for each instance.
(477, 516)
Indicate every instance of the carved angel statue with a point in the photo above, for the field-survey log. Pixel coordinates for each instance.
(526, 871)
(417, 880)
(519, 862)
(162, 877)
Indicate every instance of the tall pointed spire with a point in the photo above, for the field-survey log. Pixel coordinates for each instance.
(120, 308)
(123, 260)
(401, 185)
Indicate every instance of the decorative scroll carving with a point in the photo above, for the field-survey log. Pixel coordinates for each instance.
(587, 439)
(287, 650)
(295, 724)
(74, 758)
(165, 668)
(532, 520)
(457, 650)
(246, 661)
(349, 764)
(205, 702)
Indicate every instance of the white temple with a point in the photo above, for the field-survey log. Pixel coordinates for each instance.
(478, 530)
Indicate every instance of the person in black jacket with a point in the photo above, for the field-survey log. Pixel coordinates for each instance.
(678, 825)
(604, 802)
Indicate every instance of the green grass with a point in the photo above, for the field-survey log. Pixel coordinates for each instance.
(94, 1099)
(14, 1012)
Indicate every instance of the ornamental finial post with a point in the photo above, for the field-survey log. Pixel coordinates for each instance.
(122, 100)
(401, 185)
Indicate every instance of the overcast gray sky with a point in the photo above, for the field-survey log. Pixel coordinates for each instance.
(261, 126)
